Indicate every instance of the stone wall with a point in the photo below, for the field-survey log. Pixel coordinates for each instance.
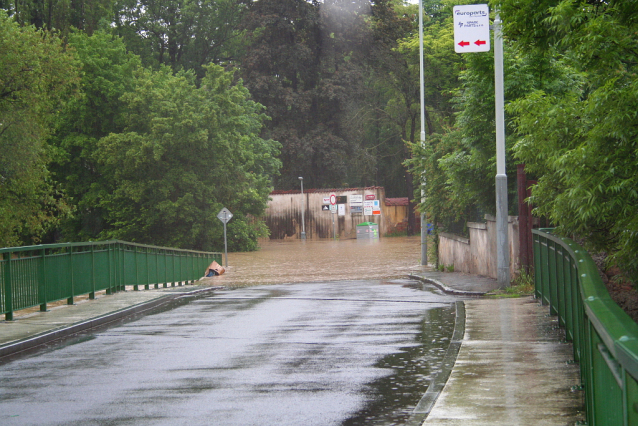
(477, 254)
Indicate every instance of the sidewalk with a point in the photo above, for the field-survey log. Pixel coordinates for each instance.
(35, 329)
(511, 368)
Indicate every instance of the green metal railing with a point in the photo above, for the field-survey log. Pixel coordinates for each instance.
(603, 335)
(37, 275)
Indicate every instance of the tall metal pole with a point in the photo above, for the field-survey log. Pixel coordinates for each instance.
(225, 247)
(424, 225)
(303, 223)
(502, 243)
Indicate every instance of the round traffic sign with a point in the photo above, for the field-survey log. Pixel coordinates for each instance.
(333, 199)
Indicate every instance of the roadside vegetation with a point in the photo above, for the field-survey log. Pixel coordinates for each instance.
(522, 285)
(140, 119)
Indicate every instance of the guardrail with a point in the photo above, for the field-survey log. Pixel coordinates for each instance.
(41, 274)
(604, 337)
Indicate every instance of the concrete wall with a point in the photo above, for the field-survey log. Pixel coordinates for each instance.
(283, 215)
(396, 214)
(477, 255)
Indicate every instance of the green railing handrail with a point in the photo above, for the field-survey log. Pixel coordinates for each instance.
(92, 243)
(605, 338)
(40, 274)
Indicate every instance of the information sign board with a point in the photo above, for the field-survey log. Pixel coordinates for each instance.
(471, 28)
(376, 208)
(356, 200)
(367, 207)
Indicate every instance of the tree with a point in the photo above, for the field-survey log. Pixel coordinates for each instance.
(108, 72)
(184, 153)
(183, 34)
(397, 82)
(307, 63)
(60, 15)
(36, 75)
(582, 140)
(460, 163)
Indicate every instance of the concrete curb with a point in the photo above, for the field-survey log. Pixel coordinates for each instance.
(33, 342)
(446, 289)
(425, 405)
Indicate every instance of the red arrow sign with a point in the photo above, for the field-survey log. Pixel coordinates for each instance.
(464, 43)
(479, 42)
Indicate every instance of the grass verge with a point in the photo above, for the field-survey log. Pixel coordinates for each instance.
(522, 285)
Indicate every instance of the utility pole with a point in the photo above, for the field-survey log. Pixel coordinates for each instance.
(472, 34)
(424, 225)
(502, 240)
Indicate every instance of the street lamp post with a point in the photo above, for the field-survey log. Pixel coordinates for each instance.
(303, 224)
(502, 238)
(424, 222)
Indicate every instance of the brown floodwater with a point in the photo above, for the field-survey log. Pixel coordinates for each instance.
(296, 261)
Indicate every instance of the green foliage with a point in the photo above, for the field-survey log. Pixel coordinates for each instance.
(459, 165)
(243, 233)
(185, 152)
(443, 205)
(582, 139)
(184, 34)
(108, 72)
(470, 167)
(305, 65)
(441, 67)
(522, 285)
(36, 76)
(60, 15)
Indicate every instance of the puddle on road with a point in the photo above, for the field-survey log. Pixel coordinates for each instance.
(393, 398)
(325, 260)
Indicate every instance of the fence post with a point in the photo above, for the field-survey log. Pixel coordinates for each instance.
(157, 252)
(7, 287)
(92, 293)
(137, 274)
(181, 267)
(121, 251)
(69, 301)
(165, 268)
(148, 270)
(173, 280)
(109, 267)
(42, 284)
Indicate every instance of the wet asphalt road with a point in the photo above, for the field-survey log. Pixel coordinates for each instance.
(324, 353)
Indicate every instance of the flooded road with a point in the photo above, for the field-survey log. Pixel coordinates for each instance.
(326, 260)
(304, 333)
